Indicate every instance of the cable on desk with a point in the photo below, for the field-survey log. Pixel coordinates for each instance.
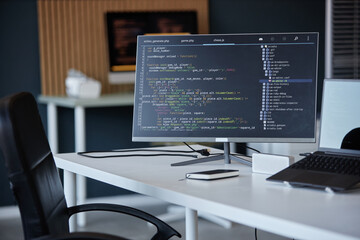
(206, 152)
(85, 154)
(247, 147)
(203, 152)
(178, 153)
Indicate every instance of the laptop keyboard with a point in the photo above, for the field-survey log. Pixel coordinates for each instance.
(333, 164)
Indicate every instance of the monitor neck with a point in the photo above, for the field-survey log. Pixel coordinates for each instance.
(227, 156)
(227, 159)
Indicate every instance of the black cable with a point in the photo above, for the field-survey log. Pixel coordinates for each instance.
(84, 154)
(256, 234)
(247, 147)
(207, 153)
(189, 146)
(138, 150)
(203, 152)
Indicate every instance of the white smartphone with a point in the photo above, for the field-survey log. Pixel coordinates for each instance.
(213, 174)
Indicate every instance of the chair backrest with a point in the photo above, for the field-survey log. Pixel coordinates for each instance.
(33, 176)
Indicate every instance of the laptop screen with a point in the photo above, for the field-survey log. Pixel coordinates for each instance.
(340, 116)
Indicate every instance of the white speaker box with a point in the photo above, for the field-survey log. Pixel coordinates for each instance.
(269, 163)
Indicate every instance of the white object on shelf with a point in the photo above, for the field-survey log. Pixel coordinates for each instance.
(78, 85)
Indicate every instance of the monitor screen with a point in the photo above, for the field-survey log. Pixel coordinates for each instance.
(226, 88)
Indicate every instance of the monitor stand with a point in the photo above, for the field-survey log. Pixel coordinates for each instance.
(227, 156)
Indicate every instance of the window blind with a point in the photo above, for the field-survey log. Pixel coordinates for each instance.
(346, 39)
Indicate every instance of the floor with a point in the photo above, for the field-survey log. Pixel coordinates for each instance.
(10, 227)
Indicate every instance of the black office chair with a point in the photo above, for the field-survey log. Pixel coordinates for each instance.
(351, 140)
(35, 181)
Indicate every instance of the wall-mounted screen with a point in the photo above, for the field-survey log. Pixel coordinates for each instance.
(124, 27)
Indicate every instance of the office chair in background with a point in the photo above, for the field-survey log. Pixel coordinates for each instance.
(35, 181)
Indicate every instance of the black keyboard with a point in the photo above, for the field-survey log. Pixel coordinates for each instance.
(334, 164)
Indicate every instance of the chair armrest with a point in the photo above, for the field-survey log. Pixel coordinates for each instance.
(164, 231)
(81, 236)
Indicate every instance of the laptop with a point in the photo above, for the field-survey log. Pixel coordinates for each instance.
(336, 164)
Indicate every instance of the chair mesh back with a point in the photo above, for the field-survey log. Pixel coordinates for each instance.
(32, 171)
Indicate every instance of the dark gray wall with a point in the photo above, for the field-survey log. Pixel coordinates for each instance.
(251, 16)
(20, 68)
(19, 61)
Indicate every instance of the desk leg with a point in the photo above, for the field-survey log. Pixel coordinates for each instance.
(191, 224)
(80, 146)
(70, 195)
(52, 127)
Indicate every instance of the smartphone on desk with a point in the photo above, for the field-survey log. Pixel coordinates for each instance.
(213, 174)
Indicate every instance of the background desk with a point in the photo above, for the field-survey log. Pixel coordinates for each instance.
(248, 199)
(79, 106)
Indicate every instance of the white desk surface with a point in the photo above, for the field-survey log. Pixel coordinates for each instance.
(105, 100)
(249, 199)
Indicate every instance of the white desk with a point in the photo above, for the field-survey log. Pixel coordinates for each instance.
(79, 106)
(248, 199)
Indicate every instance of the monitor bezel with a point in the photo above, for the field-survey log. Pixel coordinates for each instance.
(239, 139)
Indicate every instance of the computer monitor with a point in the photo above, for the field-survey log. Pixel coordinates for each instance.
(226, 88)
